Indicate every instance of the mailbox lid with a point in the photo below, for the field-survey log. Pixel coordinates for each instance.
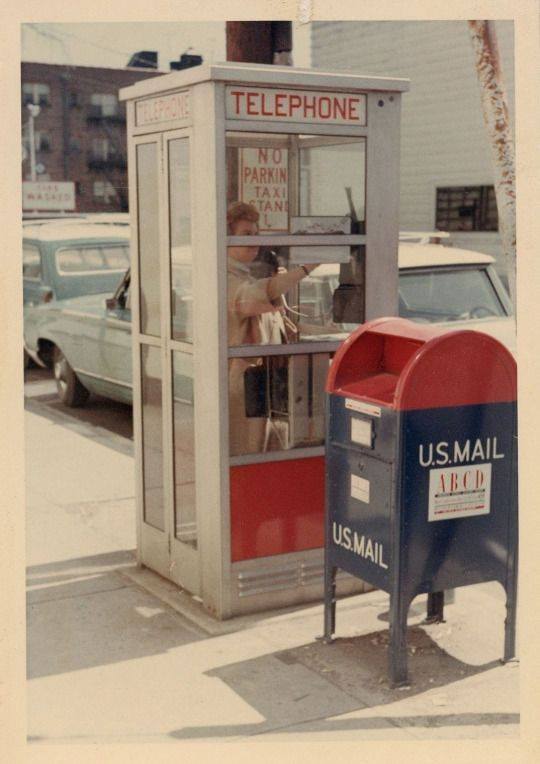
(404, 365)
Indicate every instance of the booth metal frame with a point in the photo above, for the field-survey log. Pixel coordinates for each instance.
(229, 588)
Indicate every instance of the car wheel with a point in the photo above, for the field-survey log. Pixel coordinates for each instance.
(28, 363)
(70, 390)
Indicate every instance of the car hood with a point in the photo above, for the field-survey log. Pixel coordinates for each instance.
(88, 303)
(502, 329)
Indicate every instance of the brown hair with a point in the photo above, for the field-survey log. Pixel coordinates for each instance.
(241, 211)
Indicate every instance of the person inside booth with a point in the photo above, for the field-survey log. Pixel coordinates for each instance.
(256, 316)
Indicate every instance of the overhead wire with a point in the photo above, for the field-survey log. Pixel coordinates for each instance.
(59, 34)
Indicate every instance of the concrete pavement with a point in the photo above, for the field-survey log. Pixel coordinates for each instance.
(115, 654)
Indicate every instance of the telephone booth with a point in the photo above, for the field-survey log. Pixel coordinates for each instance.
(264, 204)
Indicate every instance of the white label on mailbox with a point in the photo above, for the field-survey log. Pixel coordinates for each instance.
(363, 408)
(459, 492)
(360, 488)
(323, 107)
(361, 431)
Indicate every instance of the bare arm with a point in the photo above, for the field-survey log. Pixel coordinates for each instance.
(282, 282)
(253, 298)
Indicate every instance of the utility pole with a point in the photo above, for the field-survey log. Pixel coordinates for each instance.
(495, 108)
(64, 79)
(260, 42)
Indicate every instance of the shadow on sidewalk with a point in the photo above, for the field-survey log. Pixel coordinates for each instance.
(100, 419)
(439, 721)
(83, 613)
(308, 684)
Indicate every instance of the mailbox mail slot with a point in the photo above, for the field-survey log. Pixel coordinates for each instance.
(421, 469)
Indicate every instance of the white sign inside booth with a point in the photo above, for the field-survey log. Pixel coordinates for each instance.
(263, 181)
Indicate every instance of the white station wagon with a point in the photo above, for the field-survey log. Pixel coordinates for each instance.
(445, 286)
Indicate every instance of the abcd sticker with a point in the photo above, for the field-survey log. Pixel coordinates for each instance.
(459, 492)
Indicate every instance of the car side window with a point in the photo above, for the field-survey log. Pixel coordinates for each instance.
(116, 258)
(69, 261)
(92, 259)
(31, 263)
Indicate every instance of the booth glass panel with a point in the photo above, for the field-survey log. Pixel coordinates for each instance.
(181, 256)
(152, 436)
(276, 402)
(184, 449)
(332, 181)
(272, 301)
(148, 235)
(299, 184)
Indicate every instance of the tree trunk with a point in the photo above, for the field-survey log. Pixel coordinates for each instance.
(494, 105)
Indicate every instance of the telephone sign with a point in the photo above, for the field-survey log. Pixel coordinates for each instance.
(296, 105)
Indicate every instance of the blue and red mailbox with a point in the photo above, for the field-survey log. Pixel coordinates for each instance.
(421, 470)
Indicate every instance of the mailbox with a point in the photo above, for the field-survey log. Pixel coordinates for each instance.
(421, 470)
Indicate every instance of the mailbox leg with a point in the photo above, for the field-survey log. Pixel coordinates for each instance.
(510, 621)
(329, 602)
(435, 608)
(397, 649)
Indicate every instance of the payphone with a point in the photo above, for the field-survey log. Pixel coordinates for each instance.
(231, 168)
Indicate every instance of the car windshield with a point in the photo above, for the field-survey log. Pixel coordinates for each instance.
(437, 295)
(426, 295)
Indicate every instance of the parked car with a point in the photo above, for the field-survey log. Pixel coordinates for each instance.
(72, 258)
(69, 258)
(87, 340)
(445, 286)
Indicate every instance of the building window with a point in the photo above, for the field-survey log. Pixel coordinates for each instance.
(466, 208)
(101, 148)
(34, 92)
(104, 190)
(104, 104)
(42, 140)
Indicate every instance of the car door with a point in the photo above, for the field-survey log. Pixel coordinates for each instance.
(33, 289)
(115, 346)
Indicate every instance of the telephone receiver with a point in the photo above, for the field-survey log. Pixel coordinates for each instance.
(348, 300)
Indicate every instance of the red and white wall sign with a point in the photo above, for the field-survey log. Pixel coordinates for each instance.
(48, 195)
(263, 182)
(321, 107)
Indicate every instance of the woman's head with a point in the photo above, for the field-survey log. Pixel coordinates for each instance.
(242, 220)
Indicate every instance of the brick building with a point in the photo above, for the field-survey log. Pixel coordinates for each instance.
(80, 131)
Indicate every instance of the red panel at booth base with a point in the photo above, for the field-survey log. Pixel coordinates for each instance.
(277, 507)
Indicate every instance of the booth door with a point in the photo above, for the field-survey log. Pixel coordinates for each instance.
(163, 358)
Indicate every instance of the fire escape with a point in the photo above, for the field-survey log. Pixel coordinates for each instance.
(114, 158)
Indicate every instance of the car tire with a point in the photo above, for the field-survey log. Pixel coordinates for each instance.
(71, 391)
(28, 362)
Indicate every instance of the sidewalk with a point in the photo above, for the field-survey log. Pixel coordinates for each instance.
(115, 654)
